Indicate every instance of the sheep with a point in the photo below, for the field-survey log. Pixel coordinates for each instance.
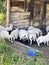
(6, 28)
(14, 34)
(43, 39)
(30, 27)
(32, 36)
(47, 29)
(37, 30)
(4, 35)
(2, 28)
(47, 38)
(23, 34)
(9, 28)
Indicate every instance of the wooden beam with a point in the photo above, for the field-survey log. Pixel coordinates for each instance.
(25, 5)
(44, 12)
(31, 7)
(8, 12)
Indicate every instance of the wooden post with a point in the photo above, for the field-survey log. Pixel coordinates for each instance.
(8, 13)
(31, 7)
(43, 25)
(25, 5)
(44, 12)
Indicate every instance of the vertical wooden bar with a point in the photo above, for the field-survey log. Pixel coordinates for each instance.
(8, 13)
(44, 12)
(25, 5)
(43, 26)
(31, 7)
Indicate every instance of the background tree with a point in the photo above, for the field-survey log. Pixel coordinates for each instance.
(2, 6)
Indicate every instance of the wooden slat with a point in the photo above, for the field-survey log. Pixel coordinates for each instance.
(20, 19)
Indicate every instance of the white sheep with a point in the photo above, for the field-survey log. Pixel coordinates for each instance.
(14, 34)
(37, 30)
(32, 36)
(4, 35)
(2, 28)
(43, 39)
(47, 38)
(23, 34)
(30, 27)
(9, 28)
(47, 29)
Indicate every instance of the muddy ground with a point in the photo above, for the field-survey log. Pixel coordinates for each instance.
(20, 49)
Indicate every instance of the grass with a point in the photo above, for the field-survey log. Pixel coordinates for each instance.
(9, 57)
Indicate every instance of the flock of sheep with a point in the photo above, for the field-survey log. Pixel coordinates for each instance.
(31, 34)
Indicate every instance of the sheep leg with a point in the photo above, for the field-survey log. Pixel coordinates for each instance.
(3, 39)
(47, 43)
(30, 41)
(36, 35)
(44, 43)
(11, 40)
(34, 39)
(19, 38)
(38, 44)
(40, 34)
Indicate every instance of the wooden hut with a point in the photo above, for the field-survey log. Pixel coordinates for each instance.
(18, 11)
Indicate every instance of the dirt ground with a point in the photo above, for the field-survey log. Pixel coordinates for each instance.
(20, 49)
(44, 49)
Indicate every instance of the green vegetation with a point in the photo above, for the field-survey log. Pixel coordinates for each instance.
(2, 19)
(9, 57)
(3, 12)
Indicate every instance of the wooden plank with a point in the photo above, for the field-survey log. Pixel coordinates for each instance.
(21, 19)
(8, 12)
(25, 5)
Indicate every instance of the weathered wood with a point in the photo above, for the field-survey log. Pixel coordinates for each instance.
(17, 9)
(21, 19)
(17, 3)
(25, 5)
(44, 12)
(8, 12)
(20, 6)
